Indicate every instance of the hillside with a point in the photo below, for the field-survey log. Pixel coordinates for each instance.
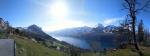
(26, 47)
(33, 41)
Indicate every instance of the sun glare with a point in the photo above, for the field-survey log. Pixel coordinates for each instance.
(59, 9)
(59, 12)
(64, 24)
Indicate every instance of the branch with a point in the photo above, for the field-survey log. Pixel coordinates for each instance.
(124, 7)
(128, 3)
(144, 7)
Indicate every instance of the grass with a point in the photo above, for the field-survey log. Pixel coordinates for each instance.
(122, 52)
(89, 54)
(26, 47)
(146, 51)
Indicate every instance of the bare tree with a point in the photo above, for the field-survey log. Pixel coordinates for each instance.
(133, 9)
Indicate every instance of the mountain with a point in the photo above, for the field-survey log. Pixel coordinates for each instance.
(87, 32)
(79, 31)
(33, 41)
(72, 32)
(99, 28)
(98, 37)
(27, 43)
(36, 34)
(109, 28)
(34, 31)
(27, 47)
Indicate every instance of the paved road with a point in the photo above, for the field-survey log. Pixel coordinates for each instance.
(7, 47)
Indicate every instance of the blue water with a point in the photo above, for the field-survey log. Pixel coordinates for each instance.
(83, 43)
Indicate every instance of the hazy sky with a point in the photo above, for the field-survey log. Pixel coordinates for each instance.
(58, 14)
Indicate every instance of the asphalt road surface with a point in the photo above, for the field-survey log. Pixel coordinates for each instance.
(7, 47)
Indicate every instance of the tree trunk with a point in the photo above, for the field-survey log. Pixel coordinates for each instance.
(134, 36)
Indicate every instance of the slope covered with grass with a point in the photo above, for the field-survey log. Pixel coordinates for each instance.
(119, 52)
(27, 47)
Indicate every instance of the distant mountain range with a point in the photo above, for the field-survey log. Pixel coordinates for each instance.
(72, 31)
(77, 32)
(98, 34)
(98, 37)
(36, 32)
(33, 40)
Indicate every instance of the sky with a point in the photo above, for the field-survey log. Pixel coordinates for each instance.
(53, 15)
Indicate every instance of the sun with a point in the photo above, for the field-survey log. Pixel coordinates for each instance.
(59, 9)
(60, 13)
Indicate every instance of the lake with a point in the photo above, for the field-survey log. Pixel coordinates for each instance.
(87, 44)
(82, 43)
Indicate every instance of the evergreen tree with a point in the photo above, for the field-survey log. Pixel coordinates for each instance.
(140, 32)
(131, 6)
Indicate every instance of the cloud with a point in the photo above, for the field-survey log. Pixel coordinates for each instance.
(58, 24)
(62, 24)
(111, 21)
